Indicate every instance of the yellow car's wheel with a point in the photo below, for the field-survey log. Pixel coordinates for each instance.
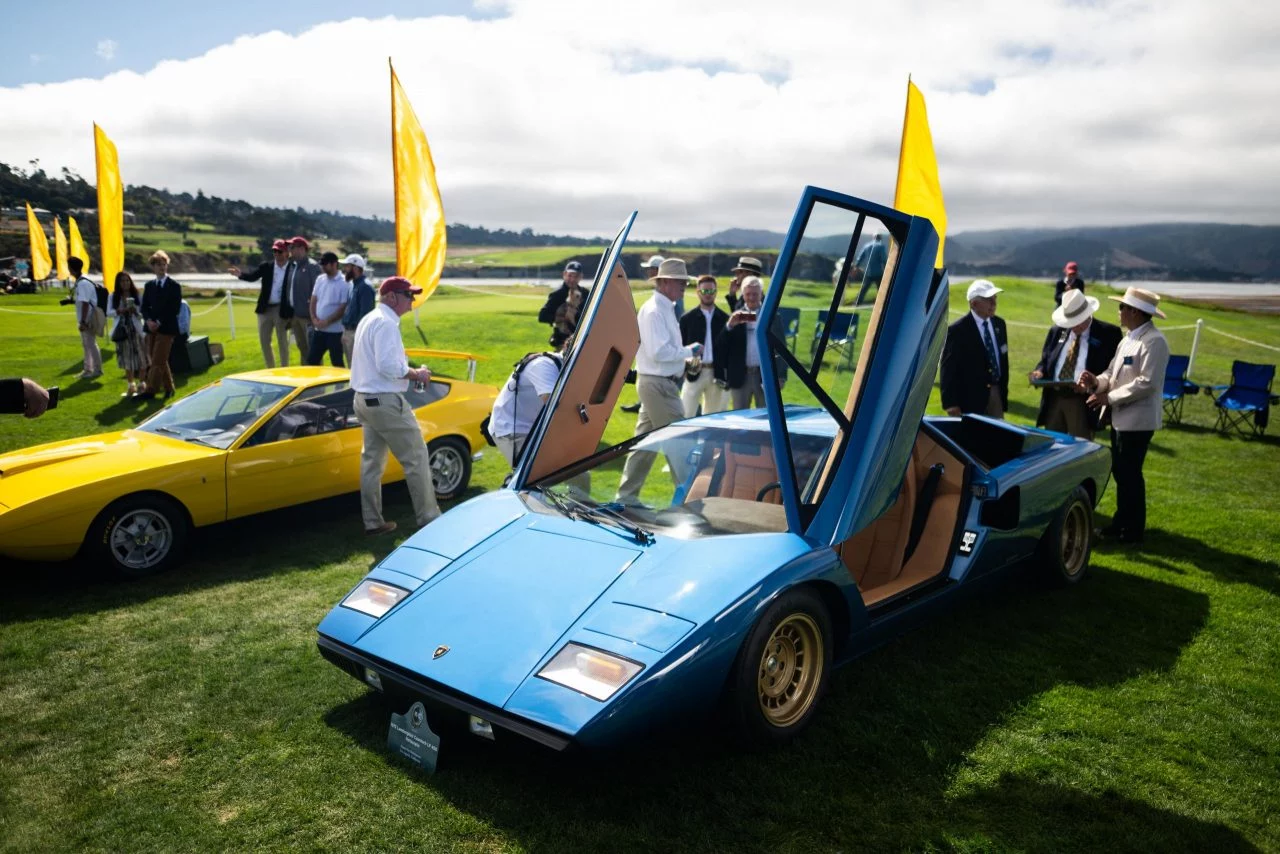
(450, 467)
(782, 669)
(140, 535)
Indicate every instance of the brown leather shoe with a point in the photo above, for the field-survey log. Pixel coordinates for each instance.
(384, 528)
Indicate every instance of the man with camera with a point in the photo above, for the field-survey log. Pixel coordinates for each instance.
(85, 297)
(738, 349)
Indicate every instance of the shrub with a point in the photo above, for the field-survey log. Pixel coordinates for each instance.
(190, 243)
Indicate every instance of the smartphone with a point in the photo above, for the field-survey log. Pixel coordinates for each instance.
(749, 315)
(53, 397)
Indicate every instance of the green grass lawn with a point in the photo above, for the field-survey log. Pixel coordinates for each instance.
(1139, 710)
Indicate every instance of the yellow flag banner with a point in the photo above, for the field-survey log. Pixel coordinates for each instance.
(60, 250)
(40, 263)
(919, 192)
(420, 231)
(77, 243)
(110, 207)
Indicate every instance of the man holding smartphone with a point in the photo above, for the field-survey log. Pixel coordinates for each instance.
(25, 396)
(737, 347)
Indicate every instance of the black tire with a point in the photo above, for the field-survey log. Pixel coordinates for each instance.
(139, 535)
(782, 670)
(450, 467)
(1064, 551)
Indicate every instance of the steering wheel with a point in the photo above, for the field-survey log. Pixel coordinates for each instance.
(766, 489)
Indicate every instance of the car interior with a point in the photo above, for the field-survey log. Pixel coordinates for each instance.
(328, 408)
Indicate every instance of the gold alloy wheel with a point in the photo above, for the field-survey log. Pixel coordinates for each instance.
(1075, 539)
(790, 670)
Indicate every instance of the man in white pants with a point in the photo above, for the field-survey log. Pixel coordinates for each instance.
(660, 365)
(380, 375)
(701, 325)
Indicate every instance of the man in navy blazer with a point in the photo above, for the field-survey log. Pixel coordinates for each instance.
(975, 359)
(1077, 342)
(273, 309)
(161, 302)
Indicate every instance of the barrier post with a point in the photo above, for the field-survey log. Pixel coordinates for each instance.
(231, 313)
(416, 320)
(1195, 344)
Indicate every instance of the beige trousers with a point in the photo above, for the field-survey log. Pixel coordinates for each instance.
(1065, 412)
(348, 342)
(702, 390)
(92, 353)
(390, 426)
(300, 326)
(509, 446)
(268, 322)
(752, 388)
(659, 406)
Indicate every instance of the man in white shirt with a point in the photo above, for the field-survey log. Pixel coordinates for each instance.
(521, 399)
(328, 304)
(660, 365)
(380, 376)
(86, 301)
(701, 325)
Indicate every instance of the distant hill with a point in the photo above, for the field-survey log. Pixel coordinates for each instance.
(1175, 251)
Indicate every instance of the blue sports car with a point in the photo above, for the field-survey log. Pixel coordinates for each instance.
(766, 545)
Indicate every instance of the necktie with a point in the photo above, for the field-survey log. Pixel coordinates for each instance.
(992, 357)
(1068, 371)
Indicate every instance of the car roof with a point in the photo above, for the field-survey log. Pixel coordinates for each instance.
(809, 420)
(299, 377)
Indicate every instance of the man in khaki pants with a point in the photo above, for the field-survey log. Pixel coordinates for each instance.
(660, 364)
(380, 375)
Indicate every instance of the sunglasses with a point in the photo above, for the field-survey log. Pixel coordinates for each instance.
(706, 290)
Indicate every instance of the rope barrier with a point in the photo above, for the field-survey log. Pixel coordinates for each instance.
(1243, 340)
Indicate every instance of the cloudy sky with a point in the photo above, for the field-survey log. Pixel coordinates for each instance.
(565, 115)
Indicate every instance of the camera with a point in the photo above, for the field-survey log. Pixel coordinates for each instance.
(67, 301)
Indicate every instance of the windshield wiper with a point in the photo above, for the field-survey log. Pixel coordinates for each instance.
(203, 441)
(598, 515)
(169, 430)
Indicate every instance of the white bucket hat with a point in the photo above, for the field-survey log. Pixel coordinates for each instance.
(1075, 308)
(1142, 300)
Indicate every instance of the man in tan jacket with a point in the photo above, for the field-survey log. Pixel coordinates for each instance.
(1130, 388)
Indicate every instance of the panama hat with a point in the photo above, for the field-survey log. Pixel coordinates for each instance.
(747, 264)
(1143, 300)
(1075, 308)
(673, 268)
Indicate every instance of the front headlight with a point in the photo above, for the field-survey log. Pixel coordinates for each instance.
(374, 598)
(594, 672)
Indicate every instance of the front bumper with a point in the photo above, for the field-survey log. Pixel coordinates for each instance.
(354, 663)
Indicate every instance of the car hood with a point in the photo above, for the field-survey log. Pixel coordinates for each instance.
(38, 472)
(536, 581)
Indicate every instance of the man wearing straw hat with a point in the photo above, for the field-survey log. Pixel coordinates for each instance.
(747, 266)
(1130, 389)
(1077, 342)
(660, 366)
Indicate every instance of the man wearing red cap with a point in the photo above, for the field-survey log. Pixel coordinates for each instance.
(302, 283)
(1070, 281)
(274, 308)
(380, 375)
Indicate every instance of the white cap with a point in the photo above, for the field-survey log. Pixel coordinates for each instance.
(982, 288)
(655, 261)
(353, 258)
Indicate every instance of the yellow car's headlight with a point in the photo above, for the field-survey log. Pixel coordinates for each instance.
(374, 598)
(594, 672)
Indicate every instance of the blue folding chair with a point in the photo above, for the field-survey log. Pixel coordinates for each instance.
(790, 320)
(1245, 405)
(1176, 387)
(843, 337)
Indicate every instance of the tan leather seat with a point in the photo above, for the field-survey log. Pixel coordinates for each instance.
(747, 470)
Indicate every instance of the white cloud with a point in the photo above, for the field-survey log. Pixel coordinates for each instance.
(566, 115)
(107, 49)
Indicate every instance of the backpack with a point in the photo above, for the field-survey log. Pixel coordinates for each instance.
(514, 380)
(103, 296)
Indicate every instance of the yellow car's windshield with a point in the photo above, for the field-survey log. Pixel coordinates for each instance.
(216, 415)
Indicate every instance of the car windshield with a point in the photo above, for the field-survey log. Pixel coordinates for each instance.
(691, 479)
(216, 415)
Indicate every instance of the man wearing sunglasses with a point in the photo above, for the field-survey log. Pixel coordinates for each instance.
(273, 307)
(700, 325)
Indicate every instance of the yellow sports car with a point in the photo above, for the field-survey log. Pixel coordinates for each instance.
(248, 443)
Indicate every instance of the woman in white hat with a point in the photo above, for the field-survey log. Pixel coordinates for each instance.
(1130, 389)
